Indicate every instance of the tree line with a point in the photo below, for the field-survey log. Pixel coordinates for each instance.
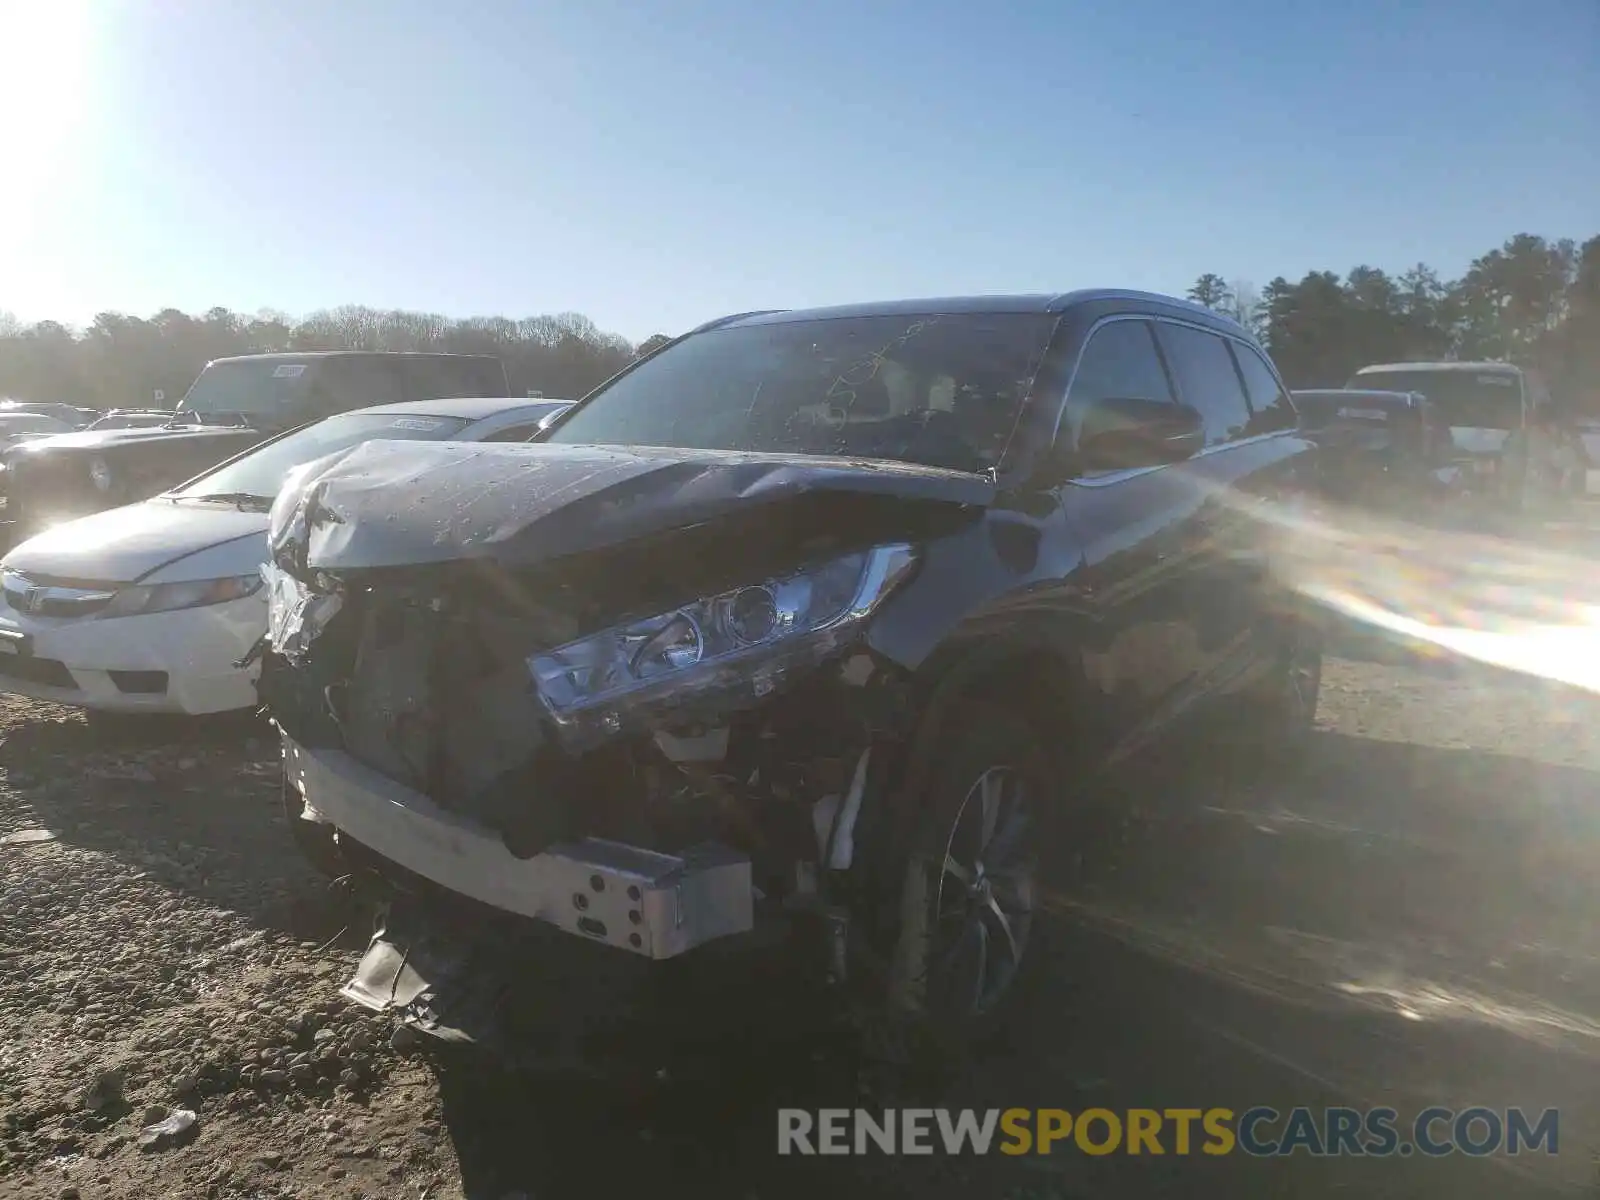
(1532, 301)
(121, 361)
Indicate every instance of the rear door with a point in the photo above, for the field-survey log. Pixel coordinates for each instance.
(1224, 564)
(1261, 483)
(1138, 533)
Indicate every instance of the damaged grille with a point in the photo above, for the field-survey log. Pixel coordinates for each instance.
(441, 701)
(433, 693)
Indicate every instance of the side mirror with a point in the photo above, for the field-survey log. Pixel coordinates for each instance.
(1125, 432)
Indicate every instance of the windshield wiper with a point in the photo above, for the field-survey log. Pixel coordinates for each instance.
(244, 501)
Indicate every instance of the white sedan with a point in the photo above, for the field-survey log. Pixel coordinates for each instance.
(147, 608)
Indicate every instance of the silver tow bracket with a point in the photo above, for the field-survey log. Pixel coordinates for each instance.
(657, 905)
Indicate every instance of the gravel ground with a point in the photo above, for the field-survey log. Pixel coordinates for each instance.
(165, 953)
(1411, 918)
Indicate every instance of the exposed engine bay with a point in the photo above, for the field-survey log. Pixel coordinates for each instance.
(652, 745)
(434, 695)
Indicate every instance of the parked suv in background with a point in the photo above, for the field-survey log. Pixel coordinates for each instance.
(1387, 451)
(813, 620)
(232, 405)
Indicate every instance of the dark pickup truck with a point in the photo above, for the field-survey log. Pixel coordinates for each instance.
(1380, 449)
(233, 404)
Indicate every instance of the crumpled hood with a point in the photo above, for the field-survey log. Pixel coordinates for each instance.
(411, 503)
(1470, 439)
(122, 545)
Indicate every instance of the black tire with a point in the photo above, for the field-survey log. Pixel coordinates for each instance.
(1275, 720)
(966, 931)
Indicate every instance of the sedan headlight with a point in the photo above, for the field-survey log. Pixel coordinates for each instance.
(100, 474)
(744, 638)
(167, 597)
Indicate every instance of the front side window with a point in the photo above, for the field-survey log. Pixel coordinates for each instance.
(942, 390)
(259, 474)
(1120, 362)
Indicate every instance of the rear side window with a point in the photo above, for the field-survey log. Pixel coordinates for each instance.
(341, 384)
(514, 433)
(481, 377)
(1271, 408)
(1207, 381)
(1119, 362)
(442, 378)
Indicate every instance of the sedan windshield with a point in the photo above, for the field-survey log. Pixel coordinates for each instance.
(259, 386)
(937, 389)
(259, 474)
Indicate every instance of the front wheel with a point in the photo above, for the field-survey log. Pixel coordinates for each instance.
(1278, 716)
(967, 905)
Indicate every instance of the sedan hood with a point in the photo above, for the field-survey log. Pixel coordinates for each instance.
(99, 439)
(125, 544)
(412, 503)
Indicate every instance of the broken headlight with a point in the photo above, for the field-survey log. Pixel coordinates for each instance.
(743, 635)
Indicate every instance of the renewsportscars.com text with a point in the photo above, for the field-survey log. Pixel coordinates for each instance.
(1260, 1131)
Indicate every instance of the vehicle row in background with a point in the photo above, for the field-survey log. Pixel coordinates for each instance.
(1510, 449)
(233, 404)
(70, 416)
(1446, 441)
(1380, 449)
(150, 607)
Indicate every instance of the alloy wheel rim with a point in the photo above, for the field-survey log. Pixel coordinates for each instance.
(983, 909)
(1304, 678)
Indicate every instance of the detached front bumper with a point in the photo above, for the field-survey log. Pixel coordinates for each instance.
(650, 904)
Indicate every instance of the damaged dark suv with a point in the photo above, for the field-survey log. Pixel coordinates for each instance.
(810, 624)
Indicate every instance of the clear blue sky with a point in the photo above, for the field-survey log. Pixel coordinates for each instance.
(655, 164)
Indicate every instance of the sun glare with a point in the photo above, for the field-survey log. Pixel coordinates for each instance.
(45, 86)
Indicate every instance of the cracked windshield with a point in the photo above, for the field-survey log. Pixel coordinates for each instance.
(771, 600)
